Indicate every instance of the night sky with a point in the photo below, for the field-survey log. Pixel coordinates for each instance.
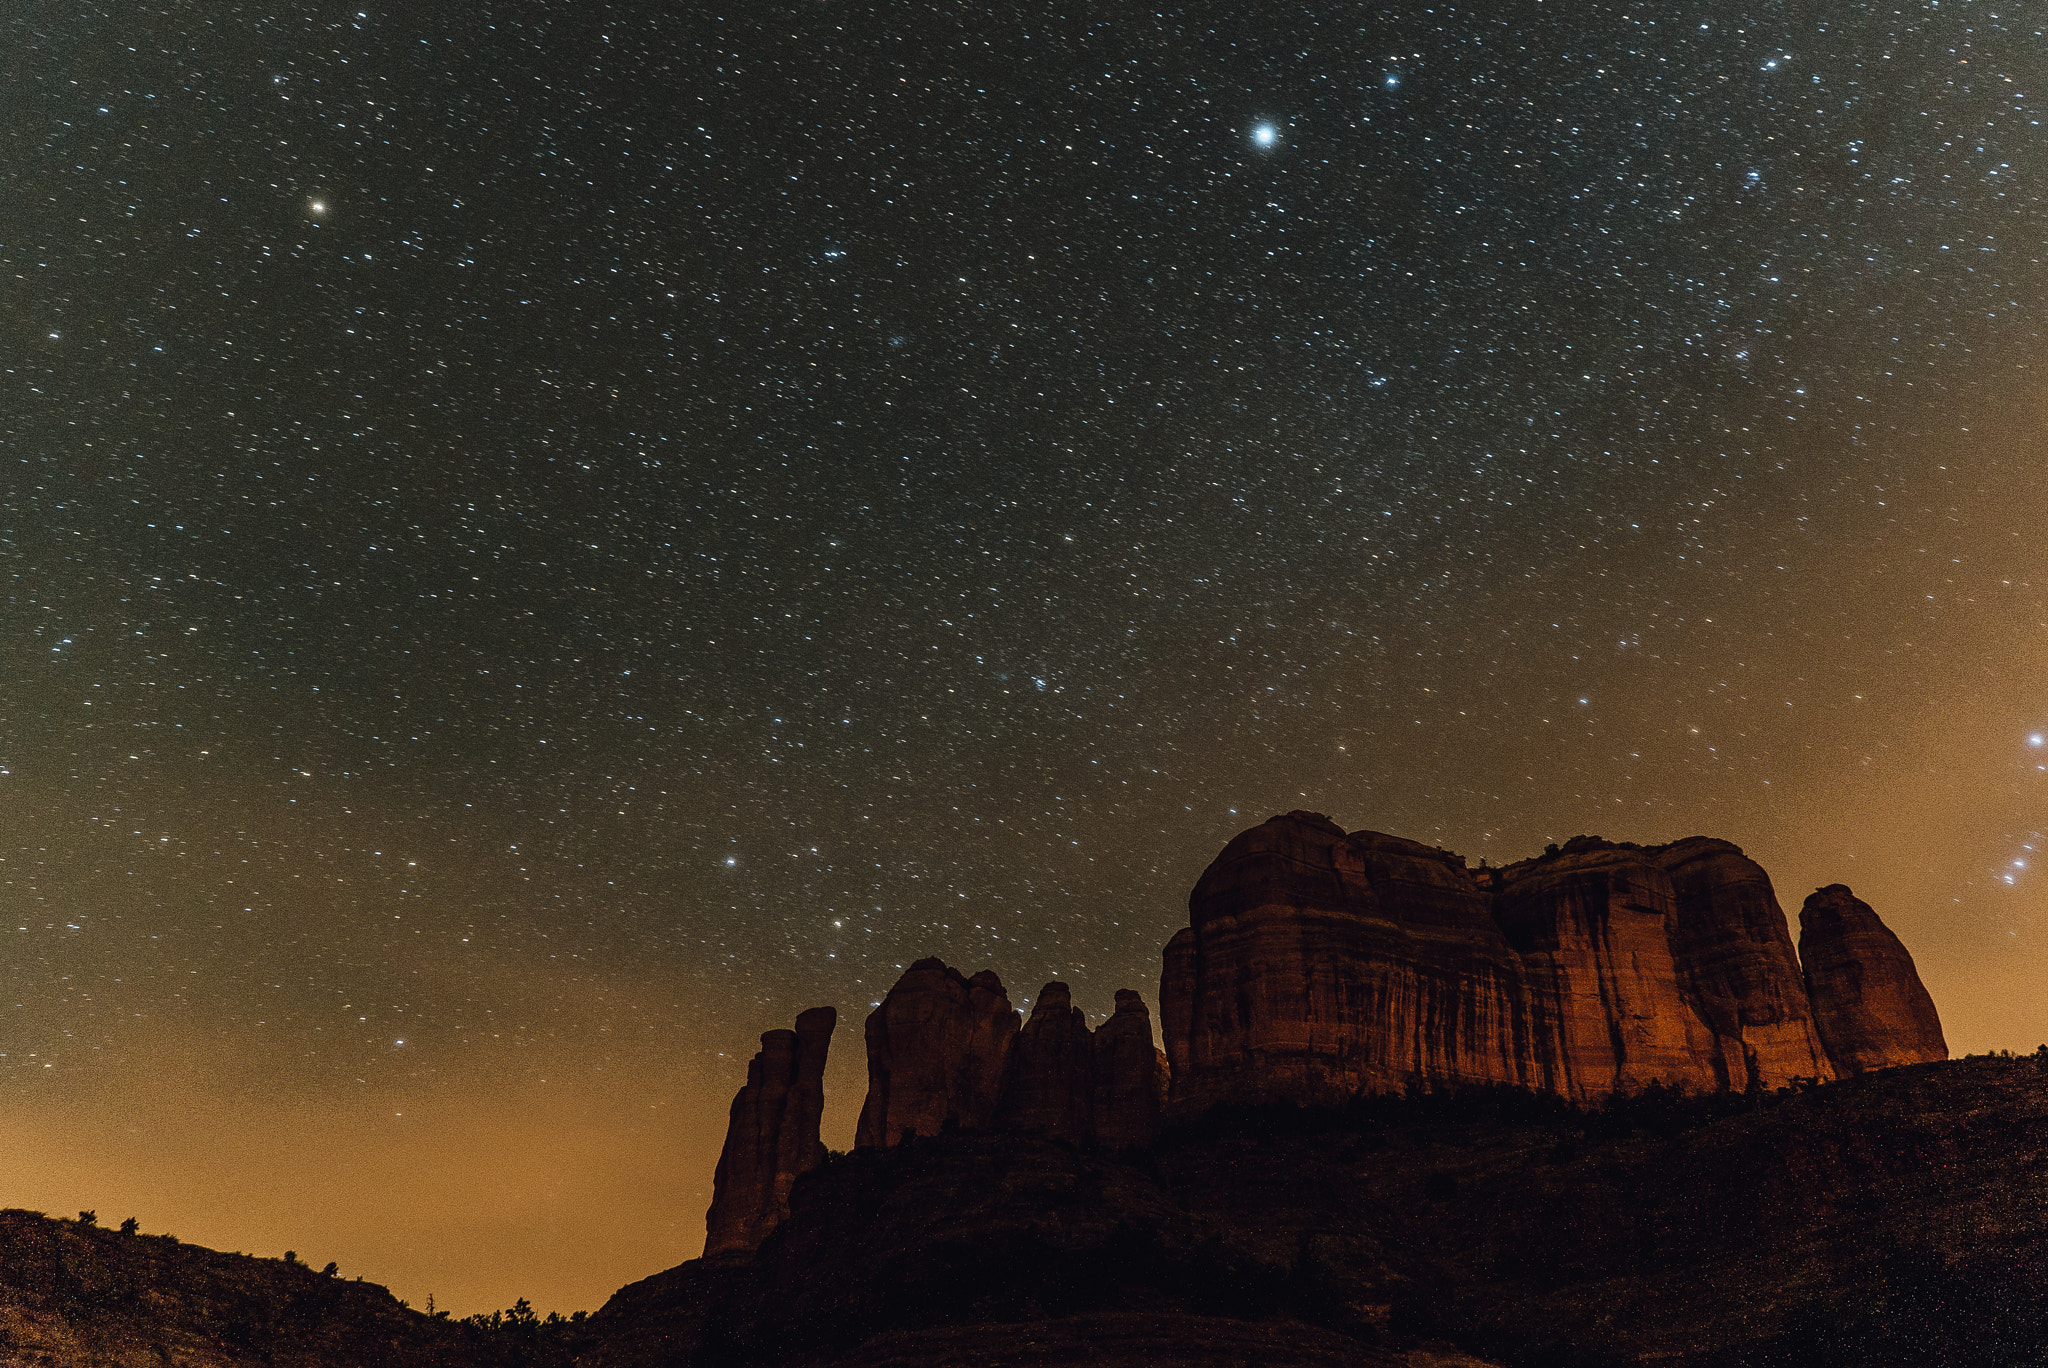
(541, 540)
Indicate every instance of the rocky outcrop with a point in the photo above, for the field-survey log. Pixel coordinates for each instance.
(945, 1053)
(1319, 965)
(1871, 1008)
(771, 1137)
(1051, 1088)
(938, 1054)
(1129, 1082)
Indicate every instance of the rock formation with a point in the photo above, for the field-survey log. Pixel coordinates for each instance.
(772, 1136)
(1867, 997)
(1129, 1080)
(1884, 1223)
(1591, 926)
(1051, 1088)
(945, 1053)
(1745, 981)
(938, 1054)
(1319, 965)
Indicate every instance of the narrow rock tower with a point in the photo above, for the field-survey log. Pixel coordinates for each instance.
(772, 1136)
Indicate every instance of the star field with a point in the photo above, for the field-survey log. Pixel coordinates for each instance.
(543, 539)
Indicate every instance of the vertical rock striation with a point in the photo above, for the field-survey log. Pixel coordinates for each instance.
(1867, 997)
(938, 1054)
(772, 1134)
(1731, 936)
(1591, 929)
(1318, 965)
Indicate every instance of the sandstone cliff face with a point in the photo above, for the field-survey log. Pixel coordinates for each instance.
(1730, 935)
(1872, 1010)
(1592, 927)
(1319, 965)
(938, 1054)
(771, 1137)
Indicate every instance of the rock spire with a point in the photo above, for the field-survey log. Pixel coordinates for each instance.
(772, 1135)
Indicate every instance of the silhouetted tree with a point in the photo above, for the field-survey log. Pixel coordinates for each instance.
(86, 1218)
(130, 1226)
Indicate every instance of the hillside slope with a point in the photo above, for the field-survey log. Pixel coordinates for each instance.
(80, 1296)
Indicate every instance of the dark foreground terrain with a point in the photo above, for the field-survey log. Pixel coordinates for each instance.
(1895, 1219)
(1898, 1218)
(76, 1295)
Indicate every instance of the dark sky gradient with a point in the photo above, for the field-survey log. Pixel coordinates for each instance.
(562, 534)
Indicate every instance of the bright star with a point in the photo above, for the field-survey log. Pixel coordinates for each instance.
(318, 206)
(2034, 740)
(1265, 135)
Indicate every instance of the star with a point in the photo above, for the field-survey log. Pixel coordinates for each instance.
(1264, 135)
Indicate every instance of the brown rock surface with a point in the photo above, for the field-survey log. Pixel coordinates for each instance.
(938, 1054)
(1735, 953)
(771, 1136)
(1868, 1001)
(1051, 1087)
(1128, 1078)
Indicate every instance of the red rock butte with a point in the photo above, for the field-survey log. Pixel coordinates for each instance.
(1318, 966)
